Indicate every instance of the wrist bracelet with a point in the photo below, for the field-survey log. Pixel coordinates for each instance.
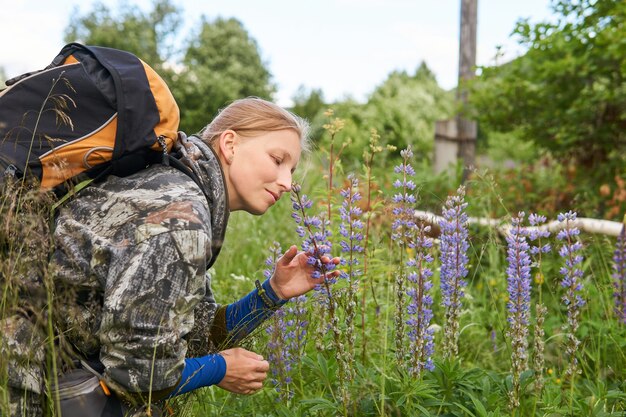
(266, 299)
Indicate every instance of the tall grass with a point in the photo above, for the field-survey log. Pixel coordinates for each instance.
(476, 381)
(27, 339)
(32, 353)
(479, 381)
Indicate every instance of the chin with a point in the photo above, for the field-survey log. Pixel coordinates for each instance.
(255, 211)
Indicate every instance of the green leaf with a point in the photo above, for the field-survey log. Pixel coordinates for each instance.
(462, 407)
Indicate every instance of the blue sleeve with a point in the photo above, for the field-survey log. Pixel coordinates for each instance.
(243, 316)
(200, 372)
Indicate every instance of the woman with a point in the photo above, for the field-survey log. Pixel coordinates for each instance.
(135, 252)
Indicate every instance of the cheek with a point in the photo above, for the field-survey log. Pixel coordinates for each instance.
(265, 170)
(252, 168)
(246, 173)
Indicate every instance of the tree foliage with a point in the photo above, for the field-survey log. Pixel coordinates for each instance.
(218, 63)
(403, 110)
(405, 107)
(308, 103)
(567, 93)
(221, 64)
(144, 34)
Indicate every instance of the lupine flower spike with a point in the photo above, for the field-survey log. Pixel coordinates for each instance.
(536, 234)
(351, 231)
(280, 344)
(454, 245)
(402, 232)
(368, 156)
(619, 275)
(420, 301)
(518, 306)
(287, 333)
(334, 126)
(315, 234)
(316, 242)
(572, 276)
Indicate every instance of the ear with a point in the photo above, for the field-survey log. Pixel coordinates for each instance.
(227, 143)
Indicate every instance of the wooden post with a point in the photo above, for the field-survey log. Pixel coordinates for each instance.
(456, 139)
(467, 45)
(467, 63)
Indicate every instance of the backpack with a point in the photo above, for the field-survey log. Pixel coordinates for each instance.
(92, 112)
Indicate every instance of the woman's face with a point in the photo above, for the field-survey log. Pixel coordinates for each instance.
(261, 170)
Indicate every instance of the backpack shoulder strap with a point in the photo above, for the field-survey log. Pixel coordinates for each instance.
(174, 161)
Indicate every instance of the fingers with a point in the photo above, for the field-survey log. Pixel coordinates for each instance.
(289, 255)
(263, 366)
(292, 252)
(249, 354)
(245, 371)
(335, 260)
(252, 388)
(253, 384)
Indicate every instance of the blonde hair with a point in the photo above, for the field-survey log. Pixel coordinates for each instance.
(252, 116)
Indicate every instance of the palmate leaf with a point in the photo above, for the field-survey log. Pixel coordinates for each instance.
(322, 404)
(465, 409)
(481, 411)
(326, 371)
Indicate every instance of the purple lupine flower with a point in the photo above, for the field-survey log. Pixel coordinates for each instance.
(402, 229)
(535, 233)
(315, 233)
(296, 310)
(518, 278)
(619, 276)
(280, 354)
(535, 236)
(572, 276)
(404, 220)
(350, 229)
(419, 309)
(287, 332)
(537, 249)
(454, 245)
(493, 336)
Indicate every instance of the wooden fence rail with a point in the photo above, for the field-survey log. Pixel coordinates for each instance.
(585, 224)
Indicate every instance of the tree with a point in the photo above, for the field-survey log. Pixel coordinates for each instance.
(405, 107)
(308, 104)
(222, 63)
(567, 93)
(146, 35)
(403, 110)
(219, 63)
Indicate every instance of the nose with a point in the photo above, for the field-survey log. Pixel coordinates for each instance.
(284, 180)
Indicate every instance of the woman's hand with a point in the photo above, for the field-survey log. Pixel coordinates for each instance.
(245, 371)
(292, 276)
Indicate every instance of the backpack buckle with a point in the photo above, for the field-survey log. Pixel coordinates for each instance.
(11, 170)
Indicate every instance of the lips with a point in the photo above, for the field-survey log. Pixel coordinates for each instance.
(275, 196)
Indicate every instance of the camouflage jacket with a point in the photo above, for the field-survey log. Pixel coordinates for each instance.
(135, 252)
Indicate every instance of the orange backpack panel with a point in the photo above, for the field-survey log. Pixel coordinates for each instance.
(93, 110)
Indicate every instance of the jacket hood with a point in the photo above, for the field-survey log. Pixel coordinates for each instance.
(202, 160)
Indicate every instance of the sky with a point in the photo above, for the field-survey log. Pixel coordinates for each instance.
(343, 47)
